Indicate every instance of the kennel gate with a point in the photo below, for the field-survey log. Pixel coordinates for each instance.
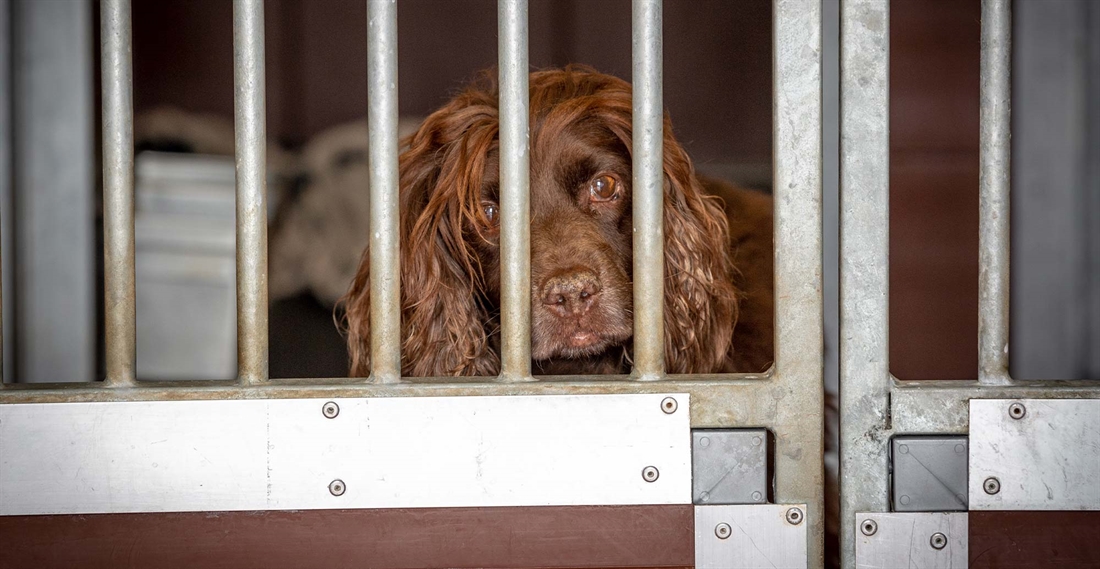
(267, 472)
(916, 456)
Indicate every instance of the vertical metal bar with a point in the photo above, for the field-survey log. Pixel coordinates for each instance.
(385, 273)
(251, 139)
(5, 172)
(118, 192)
(648, 183)
(993, 236)
(864, 262)
(799, 318)
(515, 230)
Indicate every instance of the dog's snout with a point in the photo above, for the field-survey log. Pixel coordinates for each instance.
(571, 292)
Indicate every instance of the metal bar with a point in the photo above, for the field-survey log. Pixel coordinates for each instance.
(993, 236)
(515, 179)
(865, 259)
(385, 269)
(799, 345)
(118, 192)
(251, 140)
(6, 92)
(648, 184)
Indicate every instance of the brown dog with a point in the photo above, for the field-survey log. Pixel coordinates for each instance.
(718, 243)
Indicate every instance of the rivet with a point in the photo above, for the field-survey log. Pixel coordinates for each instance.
(959, 449)
(722, 530)
(650, 474)
(704, 497)
(336, 487)
(794, 516)
(756, 441)
(330, 409)
(704, 442)
(1017, 411)
(938, 541)
(905, 500)
(991, 485)
(757, 496)
(868, 527)
(903, 449)
(669, 405)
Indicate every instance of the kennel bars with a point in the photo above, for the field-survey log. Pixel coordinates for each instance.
(875, 406)
(787, 400)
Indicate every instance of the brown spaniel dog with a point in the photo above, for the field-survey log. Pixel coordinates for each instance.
(718, 243)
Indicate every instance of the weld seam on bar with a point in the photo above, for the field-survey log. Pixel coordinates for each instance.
(515, 230)
(118, 193)
(799, 317)
(865, 261)
(993, 248)
(251, 161)
(648, 186)
(385, 268)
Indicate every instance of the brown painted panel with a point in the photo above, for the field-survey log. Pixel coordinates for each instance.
(542, 537)
(1034, 540)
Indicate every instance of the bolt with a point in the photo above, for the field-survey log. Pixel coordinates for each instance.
(330, 409)
(722, 530)
(903, 449)
(868, 527)
(794, 516)
(704, 497)
(991, 485)
(669, 405)
(336, 487)
(905, 500)
(757, 496)
(650, 474)
(1017, 411)
(938, 541)
(756, 441)
(704, 442)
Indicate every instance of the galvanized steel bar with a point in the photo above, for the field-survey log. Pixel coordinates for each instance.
(251, 140)
(865, 258)
(118, 192)
(799, 342)
(515, 179)
(385, 270)
(993, 236)
(648, 187)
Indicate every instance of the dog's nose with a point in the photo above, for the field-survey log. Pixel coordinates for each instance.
(571, 293)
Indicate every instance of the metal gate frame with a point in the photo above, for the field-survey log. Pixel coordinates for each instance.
(876, 406)
(787, 400)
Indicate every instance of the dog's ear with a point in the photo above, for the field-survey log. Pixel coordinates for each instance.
(443, 319)
(700, 299)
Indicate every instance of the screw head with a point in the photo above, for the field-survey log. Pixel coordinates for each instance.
(704, 442)
(330, 409)
(722, 530)
(868, 527)
(650, 474)
(903, 449)
(669, 405)
(794, 516)
(1017, 411)
(938, 541)
(704, 497)
(757, 441)
(336, 487)
(905, 500)
(757, 496)
(991, 485)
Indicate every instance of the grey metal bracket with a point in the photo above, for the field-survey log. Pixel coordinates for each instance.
(929, 473)
(729, 466)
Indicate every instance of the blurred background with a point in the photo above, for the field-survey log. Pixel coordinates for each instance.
(717, 65)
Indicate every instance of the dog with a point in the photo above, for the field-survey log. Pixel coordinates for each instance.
(718, 304)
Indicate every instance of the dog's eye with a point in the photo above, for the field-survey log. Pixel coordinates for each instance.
(490, 211)
(603, 189)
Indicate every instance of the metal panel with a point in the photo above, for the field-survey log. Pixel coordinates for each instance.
(648, 190)
(729, 466)
(250, 128)
(1035, 455)
(54, 185)
(748, 537)
(929, 540)
(348, 453)
(385, 267)
(929, 474)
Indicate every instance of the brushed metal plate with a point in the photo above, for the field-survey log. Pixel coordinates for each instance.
(750, 537)
(180, 456)
(906, 540)
(1047, 457)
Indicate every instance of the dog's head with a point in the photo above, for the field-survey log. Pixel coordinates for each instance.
(581, 236)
